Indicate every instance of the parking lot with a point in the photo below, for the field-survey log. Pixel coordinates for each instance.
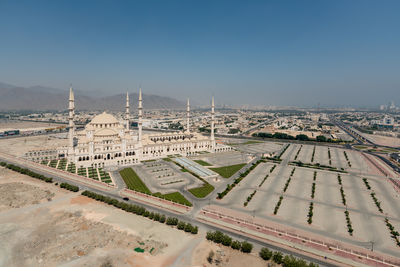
(328, 217)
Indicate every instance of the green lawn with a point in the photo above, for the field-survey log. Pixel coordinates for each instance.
(202, 191)
(202, 162)
(133, 181)
(175, 197)
(228, 171)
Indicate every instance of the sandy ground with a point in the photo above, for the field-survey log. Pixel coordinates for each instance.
(12, 124)
(384, 140)
(17, 192)
(224, 256)
(18, 146)
(43, 225)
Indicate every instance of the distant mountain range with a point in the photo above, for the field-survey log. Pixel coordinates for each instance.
(40, 98)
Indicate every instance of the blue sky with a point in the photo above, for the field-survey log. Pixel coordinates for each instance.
(334, 53)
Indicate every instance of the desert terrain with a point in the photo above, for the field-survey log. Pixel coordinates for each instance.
(44, 225)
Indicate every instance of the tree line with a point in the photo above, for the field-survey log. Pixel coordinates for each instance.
(139, 210)
(300, 137)
(27, 172)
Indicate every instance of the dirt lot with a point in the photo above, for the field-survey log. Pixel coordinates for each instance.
(17, 190)
(19, 146)
(43, 225)
(16, 195)
(224, 256)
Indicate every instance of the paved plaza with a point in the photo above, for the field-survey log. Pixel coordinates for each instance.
(225, 158)
(165, 177)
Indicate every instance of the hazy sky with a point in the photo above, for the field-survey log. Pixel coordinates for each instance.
(244, 52)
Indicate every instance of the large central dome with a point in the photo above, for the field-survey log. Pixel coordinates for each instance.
(104, 118)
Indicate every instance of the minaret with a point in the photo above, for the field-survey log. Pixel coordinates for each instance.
(212, 125)
(140, 111)
(71, 125)
(188, 116)
(127, 111)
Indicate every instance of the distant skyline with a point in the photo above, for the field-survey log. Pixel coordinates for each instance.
(294, 53)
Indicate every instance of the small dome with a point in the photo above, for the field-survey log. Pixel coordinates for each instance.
(104, 118)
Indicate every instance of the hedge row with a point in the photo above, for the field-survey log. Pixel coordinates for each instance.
(288, 180)
(266, 176)
(298, 152)
(69, 187)
(349, 226)
(366, 183)
(27, 172)
(138, 210)
(329, 156)
(317, 166)
(287, 261)
(221, 238)
(347, 158)
(229, 187)
(393, 232)
(310, 213)
(341, 190)
(373, 195)
(278, 204)
(313, 190)
(313, 154)
(283, 151)
(377, 202)
(272, 169)
(249, 198)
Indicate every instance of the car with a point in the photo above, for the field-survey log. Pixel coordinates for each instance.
(125, 198)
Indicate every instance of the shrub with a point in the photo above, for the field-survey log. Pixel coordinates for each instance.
(265, 254)
(226, 241)
(69, 187)
(236, 245)
(162, 219)
(277, 257)
(181, 225)
(172, 221)
(218, 236)
(156, 217)
(246, 247)
(210, 236)
(195, 230)
(188, 227)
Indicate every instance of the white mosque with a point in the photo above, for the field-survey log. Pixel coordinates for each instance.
(105, 141)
